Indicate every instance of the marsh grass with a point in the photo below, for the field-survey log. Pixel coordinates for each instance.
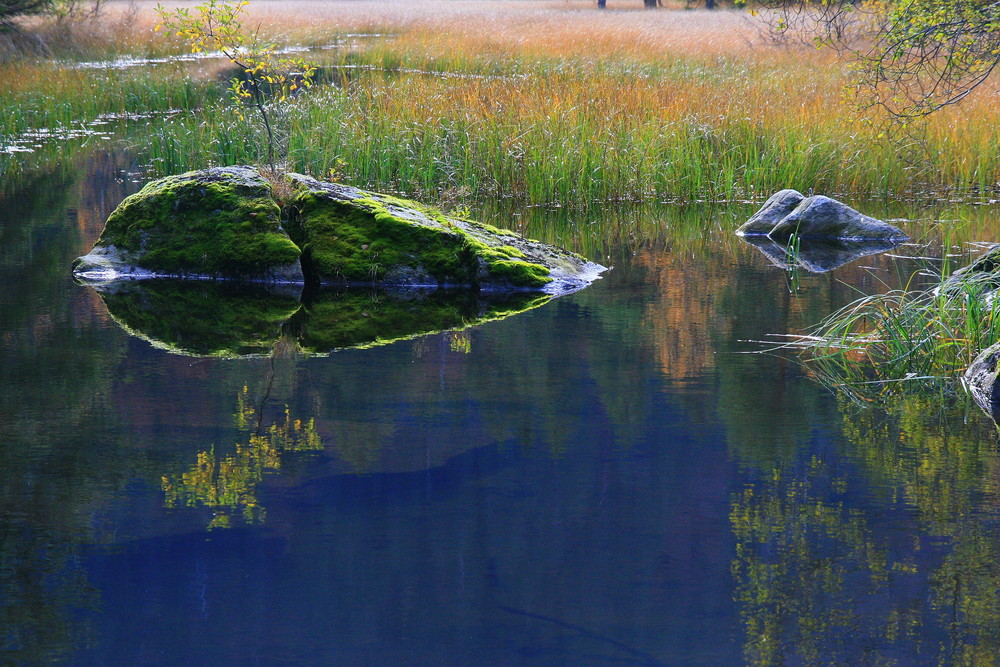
(72, 96)
(574, 138)
(74, 111)
(903, 341)
(580, 131)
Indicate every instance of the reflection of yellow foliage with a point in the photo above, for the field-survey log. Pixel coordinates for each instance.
(245, 412)
(460, 341)
(229, 483)
(966, 594)
(943, 462)
(815, 579)
(803, 561)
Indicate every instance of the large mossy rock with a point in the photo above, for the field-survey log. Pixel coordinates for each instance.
(818, 217)
(215, 223)
(224, 223)
(350, 236)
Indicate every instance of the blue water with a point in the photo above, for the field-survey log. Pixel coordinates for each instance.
(607, 479)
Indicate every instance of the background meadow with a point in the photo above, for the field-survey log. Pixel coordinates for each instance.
(539, 102)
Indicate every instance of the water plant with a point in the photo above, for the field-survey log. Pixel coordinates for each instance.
(903, 341)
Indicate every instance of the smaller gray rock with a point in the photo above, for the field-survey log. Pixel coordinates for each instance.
(774, 210)
(980, 278)
(821, 217)
(981, 379)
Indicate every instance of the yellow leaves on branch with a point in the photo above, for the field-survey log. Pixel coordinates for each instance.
(216, 26)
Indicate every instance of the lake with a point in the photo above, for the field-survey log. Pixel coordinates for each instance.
(615, 477)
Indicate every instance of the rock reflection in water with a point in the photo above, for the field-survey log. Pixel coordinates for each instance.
(817, 256)
(203, 318)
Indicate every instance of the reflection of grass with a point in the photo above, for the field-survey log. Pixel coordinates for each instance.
(903, 341)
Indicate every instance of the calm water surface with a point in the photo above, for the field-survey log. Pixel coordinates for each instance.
(602, 480)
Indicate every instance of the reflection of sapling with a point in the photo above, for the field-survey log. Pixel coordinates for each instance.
(216, 26)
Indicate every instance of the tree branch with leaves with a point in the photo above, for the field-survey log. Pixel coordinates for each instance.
(912, 57)
(929, 54)
(217, 27)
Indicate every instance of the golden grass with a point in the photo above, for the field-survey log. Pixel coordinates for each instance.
(553, 99)
(571, 28)
(559, 28)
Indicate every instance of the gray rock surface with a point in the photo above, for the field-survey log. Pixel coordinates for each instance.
(820, 217)
(817, 217)
(981, 379)
(774, 210)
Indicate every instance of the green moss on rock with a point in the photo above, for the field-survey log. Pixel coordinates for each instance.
(351, 236)
(220, 222)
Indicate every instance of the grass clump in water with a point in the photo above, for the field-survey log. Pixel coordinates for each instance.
(901, 341)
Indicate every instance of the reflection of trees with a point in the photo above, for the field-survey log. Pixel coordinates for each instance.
(804, 565)
(228, 484)
(966, 596)
(942, 456)
(938, 451)
(43, 589)
(819, 578)
(58, 370)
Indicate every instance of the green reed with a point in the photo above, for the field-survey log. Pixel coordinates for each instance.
(543, 141)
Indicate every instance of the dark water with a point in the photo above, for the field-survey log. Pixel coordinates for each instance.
(604, 479)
